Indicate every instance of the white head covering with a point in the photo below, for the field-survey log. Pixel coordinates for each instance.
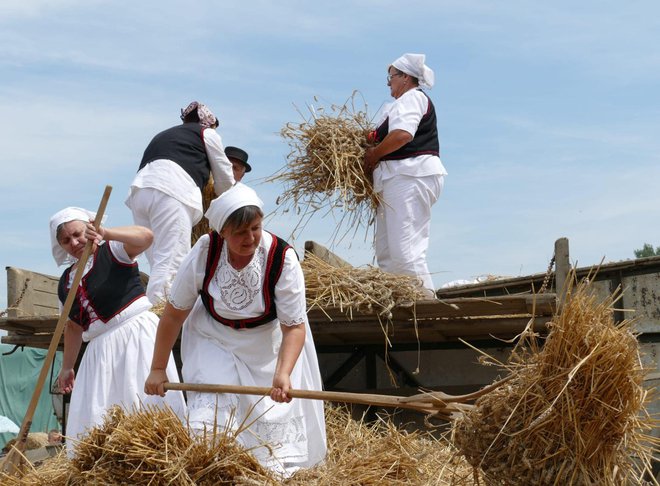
(64, 216)
(225, 204)
(413, 65)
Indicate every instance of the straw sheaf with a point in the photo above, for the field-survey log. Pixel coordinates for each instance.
(573, 412)
(149, 448)
(352, 289)
(324, 168)
(202, 228)
(357, 289)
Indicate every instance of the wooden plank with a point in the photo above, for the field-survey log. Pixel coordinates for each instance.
(523, 285)
(29, 324)
(437, 321)
(543, 304)
(562, 268)
(33, 341)
(347, 332)
(30, 293)
(324, 254)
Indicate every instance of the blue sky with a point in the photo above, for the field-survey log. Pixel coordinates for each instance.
(548, 112)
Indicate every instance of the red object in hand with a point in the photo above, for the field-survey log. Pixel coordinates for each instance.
(371, 137)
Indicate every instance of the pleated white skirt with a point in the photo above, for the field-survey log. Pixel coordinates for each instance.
(112, 372)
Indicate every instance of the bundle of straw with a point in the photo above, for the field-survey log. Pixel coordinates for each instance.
(324, 167)
(572, 412)
(365, 289)
(150, 447)
(202, 228)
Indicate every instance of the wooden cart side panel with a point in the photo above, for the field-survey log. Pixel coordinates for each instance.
(31, 293)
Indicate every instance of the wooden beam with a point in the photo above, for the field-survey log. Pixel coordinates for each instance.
(324, 254)
(562, 268)
(541, 304)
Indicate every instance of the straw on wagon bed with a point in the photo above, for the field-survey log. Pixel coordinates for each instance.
(572, 412)
(323, 170)
(358, 289)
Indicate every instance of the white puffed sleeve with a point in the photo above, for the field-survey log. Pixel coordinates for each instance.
(190, 276)
(223, 175)
(407, 111)
(290, 292)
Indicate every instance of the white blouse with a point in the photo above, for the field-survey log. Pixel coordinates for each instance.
(237, 294)
(405, 113)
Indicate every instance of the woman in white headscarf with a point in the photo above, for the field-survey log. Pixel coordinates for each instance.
(407, 171)
(110, 313)
(166, 194)
(241, 293)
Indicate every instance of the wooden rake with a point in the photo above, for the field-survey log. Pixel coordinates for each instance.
(14, 460)
(434, 404)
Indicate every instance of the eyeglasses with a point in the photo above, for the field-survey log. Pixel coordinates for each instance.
(390, 76)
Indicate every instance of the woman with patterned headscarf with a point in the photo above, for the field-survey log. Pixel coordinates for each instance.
(407, 171)
(166, 193)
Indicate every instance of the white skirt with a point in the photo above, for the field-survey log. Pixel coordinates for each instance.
(112, 372)
(216, 354)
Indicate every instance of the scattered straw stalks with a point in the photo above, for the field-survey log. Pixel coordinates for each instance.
(379, 453)
(324, 168)
(152, 447)
(573, 411)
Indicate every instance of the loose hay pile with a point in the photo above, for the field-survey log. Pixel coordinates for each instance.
(324, 167)
(573, 412)
(153, 448)
(382, 454)
(365, 289)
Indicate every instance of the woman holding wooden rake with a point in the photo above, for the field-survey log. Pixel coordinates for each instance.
(407, 171)
(110, 313)
(241, 293)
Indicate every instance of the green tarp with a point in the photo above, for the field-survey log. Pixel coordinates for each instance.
(18, 378)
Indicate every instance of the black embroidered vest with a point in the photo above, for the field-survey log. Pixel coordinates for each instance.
(274, 265)
(110, 286)
(425, 141)
(183, 144)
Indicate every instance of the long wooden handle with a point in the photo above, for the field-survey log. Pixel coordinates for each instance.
(19, 446)
(345, 397)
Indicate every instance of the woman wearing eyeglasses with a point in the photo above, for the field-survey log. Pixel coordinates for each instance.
(407, 171)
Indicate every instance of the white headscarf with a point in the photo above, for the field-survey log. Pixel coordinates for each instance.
(225, 204)
(64, 216)
(413, 65)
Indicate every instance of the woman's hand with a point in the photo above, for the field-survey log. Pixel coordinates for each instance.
(154, 383)
(370, 160)
(91, 233)
(66, 379)
(281, 387)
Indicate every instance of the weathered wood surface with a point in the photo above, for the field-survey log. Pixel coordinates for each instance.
(31, 293)
(324, 254)
(436, 321)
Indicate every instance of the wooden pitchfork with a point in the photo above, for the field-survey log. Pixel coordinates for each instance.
(434, 404)
(13, 461)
